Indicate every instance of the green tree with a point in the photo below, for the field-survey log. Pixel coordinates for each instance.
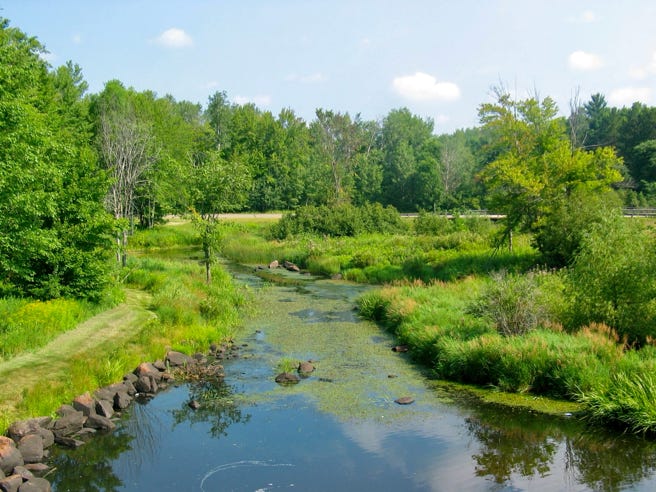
(536, 167)
(53, 228)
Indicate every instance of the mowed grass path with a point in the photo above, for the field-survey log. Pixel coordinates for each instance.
(50, 363)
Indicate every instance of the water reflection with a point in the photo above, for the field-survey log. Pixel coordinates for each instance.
(217, 407)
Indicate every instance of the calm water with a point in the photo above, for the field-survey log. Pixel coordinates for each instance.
(339, 429)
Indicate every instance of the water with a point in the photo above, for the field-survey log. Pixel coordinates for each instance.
(339, 429)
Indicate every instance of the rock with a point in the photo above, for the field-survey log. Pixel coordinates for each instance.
(131, 377)
(147, 369)
(400, 348)
(64, 410)
(336, 276)
(100, 423)
(37, 468)
(404, 400)
(274, 264)
(178, 359)
(122, 400)
(31, 447)
(2, 474)
(48, 437)
(22, 428)
(105, 408)
(305, 367)
(23, 472)
(35, 485)
(392, 376)
(287, 378)
(11, 483)
(194, 404)
(145, 385)
(128, 386)
(68, 424)
(291, 266)
(160, 365)
(10, 456)
(85, 404)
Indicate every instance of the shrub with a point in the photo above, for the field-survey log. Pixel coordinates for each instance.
(611, 280)
(513, 302)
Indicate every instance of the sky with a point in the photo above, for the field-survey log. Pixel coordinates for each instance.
(441, 59)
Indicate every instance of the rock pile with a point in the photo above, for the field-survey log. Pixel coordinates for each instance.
(25, 448)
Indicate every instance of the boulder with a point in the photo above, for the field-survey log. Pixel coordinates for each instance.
(10, 456)
(160, 365)
(146, 384)
(105, 408)
(68, 442)
(22, 428)
(305, 367)
(35, 485)
(178, 359)
(23, 472)
(69, 424)
(31, 447)
(122, 400)
(37, 468)
(64, 410)
(287, 378)
(99, 422)
(85, 404)
(131, 377)
(147, 369)
(11, 483)
(48, 437)
(274, 264)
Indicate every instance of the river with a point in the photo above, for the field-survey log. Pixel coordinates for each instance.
(339, 429)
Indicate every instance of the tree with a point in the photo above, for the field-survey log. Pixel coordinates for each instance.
(53, 228)
(536, 167)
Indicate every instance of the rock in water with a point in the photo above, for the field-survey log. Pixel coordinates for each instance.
(404, 400)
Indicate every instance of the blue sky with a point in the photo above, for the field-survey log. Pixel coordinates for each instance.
(438, 58)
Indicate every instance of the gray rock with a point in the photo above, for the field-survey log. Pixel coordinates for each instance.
(31, 447)
(287, 378)
(105, 408)
(23, 472)
(160, 365)
(11, 483)
(99, 422)
(147, 369)
(37, 468)
(22, 428)
(404, 400)
(35, 485)
(122, 400)
(48, 437)
(305, 367)
(69, 442)
(145, 385)
(129, 387)
(68, 424)
(10, 456)
(178, 359)
(85, 404)
(65, 410)
(130, 377)
(2, 474)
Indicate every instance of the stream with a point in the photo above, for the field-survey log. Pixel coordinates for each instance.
(339, 429)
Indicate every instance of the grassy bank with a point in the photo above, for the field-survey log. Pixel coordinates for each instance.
(522, 332)
(173, 308)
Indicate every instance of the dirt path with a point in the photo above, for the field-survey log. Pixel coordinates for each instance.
(49, 362)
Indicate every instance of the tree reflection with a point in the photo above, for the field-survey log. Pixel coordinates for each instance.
(217, 407)
(89, 467)
(511, 446)
(526, 444)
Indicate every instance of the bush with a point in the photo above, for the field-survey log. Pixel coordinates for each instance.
(611, 280)
(341, 220)
(513, 302)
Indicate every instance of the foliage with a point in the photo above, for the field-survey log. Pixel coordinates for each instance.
(513, 303)
(535, 167)
(54, 232)
(611, 280)
(342, 220)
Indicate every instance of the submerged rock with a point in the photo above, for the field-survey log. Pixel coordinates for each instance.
(404, 400)
(287, 378)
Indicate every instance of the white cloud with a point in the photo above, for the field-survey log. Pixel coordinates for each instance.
(424, 87)
(580, 60)
(312, 78)
(259, 100)
(48, 57)
(644, 71)
(174, 38)
(626, 96)
(585, 17)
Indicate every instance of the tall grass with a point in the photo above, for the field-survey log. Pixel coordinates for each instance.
(28, 324)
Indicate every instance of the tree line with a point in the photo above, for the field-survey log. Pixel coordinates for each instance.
(79, 171)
